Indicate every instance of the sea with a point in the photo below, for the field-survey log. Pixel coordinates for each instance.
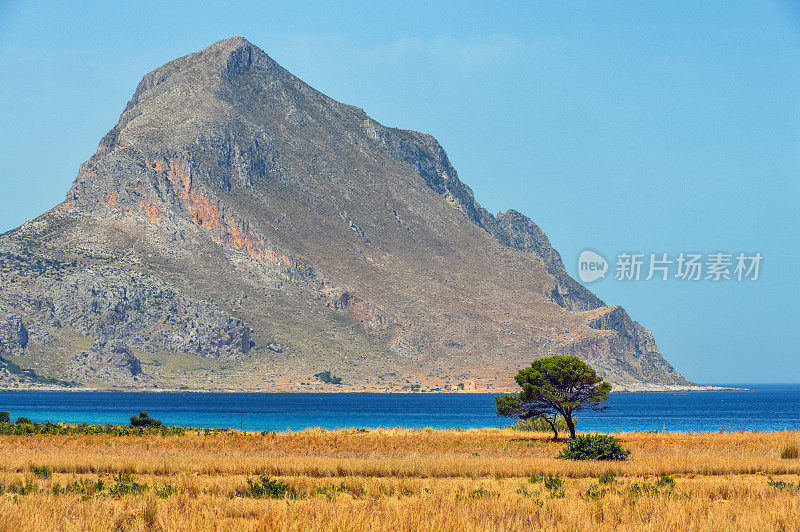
(762, 407)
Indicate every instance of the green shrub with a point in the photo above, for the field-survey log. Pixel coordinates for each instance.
(608, 478)
(331, 491)
(144, 420)
(84, 487)
(790, 452)
(481, 493)
(553, 483)
(594, 447)
(125, 485)
(19, 489)
(595, 492)
(5, 417)
(663, 486)
(644, 488)
(264, 488)
(165, 490)
(782, 485)
(42, 471)
(24, 421)
(665, 481)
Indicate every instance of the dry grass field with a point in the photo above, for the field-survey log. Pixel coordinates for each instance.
(483, 479)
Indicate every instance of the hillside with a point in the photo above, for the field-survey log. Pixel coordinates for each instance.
(239, 230)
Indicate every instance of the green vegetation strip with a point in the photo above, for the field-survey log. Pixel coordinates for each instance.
(47, 428)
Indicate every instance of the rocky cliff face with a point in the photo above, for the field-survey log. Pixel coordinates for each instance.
(238, 229)
(13, 335)
(106, 363)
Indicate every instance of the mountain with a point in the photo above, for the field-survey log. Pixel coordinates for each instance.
(237, 229)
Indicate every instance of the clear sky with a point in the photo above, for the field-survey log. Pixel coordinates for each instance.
(645, 127)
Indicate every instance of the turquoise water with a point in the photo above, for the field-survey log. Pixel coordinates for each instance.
(766, 407)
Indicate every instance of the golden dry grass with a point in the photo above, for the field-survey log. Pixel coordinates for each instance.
(401, 480)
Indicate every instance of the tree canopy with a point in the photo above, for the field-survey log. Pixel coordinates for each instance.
(555, 386)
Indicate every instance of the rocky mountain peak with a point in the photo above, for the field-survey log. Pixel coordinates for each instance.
(233, 209)
(205, 70)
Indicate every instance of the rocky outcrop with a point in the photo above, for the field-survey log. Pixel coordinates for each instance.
(109, 362)
(111, 304)
(147, 313)
(13, 335)
(628, 353)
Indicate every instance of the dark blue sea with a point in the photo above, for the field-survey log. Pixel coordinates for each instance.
(765, 407)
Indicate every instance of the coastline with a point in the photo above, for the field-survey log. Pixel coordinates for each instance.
(338, 389)
(766, 407)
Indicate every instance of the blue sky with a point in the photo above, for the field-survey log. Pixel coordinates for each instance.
(617, 126)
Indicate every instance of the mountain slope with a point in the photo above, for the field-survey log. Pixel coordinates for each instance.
(238, 229)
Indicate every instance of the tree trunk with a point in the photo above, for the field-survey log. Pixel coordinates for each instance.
(552, 426)
(570, 424)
